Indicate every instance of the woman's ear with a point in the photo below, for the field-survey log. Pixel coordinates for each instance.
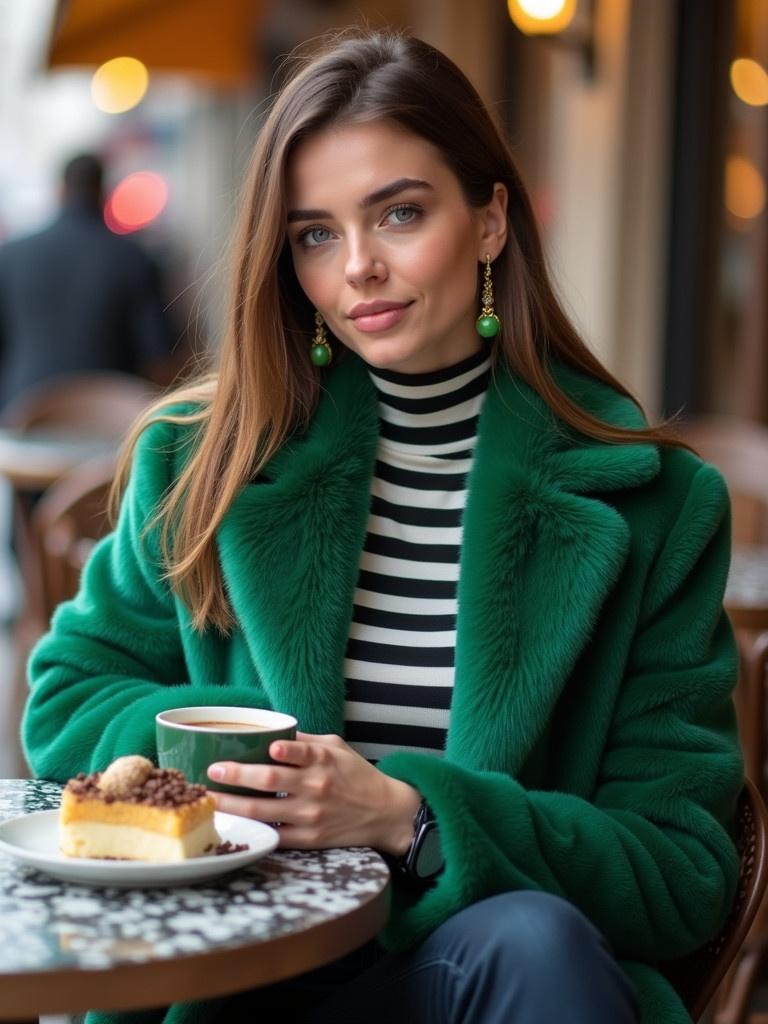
(493, 224)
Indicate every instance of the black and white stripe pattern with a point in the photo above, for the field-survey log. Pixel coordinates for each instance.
(400, 654)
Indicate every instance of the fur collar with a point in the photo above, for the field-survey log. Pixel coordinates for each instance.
(542, 548)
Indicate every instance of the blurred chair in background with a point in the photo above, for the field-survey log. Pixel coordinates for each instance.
(65, 524)
(748, 972)
(90, 405)
(45, 434)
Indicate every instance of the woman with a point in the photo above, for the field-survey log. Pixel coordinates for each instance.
(413, 510)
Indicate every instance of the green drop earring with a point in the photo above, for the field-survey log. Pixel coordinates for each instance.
(487, 324)
(320, 353)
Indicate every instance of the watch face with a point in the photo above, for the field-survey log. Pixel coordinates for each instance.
(429, 859)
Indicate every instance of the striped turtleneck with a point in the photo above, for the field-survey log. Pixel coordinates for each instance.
(400, 653)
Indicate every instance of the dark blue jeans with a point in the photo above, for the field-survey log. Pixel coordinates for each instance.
(516, 958)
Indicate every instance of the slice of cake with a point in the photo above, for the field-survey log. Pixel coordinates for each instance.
(134, 811)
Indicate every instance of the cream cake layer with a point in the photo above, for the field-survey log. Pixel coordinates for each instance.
(129, 842)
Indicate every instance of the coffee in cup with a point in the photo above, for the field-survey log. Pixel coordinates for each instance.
(228, 726)
(193, 738)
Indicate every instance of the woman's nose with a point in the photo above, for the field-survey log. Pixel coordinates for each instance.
(363, 263)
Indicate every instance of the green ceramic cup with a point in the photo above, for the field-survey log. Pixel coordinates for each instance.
(191, 739)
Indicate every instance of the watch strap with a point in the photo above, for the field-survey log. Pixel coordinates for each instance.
(424, 823)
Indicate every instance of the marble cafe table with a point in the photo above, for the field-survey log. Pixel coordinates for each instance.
(66, 948)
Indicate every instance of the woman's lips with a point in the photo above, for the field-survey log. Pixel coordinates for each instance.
(381, 321)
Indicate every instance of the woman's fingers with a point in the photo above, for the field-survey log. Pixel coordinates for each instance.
(300, 753)
(330, 739)
(259, 808)
(271, 778)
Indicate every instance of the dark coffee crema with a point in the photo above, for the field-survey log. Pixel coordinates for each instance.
(228, 726)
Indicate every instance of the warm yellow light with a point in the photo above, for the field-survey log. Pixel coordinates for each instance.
(119, 84)
(750, 81)
(744, 188)
(541, 17)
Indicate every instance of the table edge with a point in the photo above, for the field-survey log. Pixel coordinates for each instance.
(193, 976)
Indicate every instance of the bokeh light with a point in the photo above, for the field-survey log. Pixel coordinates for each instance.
(750, 82)
(119, 85)
(744, 188)
(536, 17)
(135, 202)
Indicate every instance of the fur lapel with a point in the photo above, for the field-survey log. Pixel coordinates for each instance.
(539, 556)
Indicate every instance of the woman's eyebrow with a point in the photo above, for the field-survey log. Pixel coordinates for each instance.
(381, 194)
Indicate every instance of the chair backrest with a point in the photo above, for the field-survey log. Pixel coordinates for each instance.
(65, 524)
(750, 700)
(739, 449)
(90, 413)
(102, 405)
(697, 977)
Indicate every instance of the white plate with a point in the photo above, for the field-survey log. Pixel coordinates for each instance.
(34, 840)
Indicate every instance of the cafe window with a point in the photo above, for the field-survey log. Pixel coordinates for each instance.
(716, 338)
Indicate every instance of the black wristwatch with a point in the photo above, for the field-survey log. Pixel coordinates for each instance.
(423, 860)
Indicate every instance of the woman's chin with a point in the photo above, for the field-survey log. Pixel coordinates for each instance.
(393, 354)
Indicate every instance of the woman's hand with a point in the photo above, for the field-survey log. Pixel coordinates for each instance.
(335, 797)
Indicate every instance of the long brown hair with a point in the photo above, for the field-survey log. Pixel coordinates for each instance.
(266, 386)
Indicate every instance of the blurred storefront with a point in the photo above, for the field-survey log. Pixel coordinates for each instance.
(717, 327)
(646, 167)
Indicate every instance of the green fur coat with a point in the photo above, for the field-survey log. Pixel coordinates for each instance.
(592, 750)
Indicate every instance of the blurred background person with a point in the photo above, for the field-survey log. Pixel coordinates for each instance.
(77, 297)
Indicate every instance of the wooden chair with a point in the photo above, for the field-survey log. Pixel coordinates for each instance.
(65, 524)
(95, 406)
(750, 700)
(733, 1004)
(697, 977)
(100, 405)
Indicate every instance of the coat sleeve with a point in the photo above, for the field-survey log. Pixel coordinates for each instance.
(648, 858)
(114, 656)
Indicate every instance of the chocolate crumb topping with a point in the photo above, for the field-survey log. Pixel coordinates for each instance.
(165, 787)
(229, 847)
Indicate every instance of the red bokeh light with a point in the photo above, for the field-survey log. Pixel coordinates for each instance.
(135, 202)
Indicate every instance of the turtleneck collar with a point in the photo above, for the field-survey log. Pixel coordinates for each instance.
(436, 377)
(434, 411)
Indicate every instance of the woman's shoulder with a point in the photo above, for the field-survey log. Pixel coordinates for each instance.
(678, 469)
(177, 414)
(166, 430)
(598, 398)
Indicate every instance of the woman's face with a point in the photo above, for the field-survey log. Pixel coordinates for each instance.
(386, 247)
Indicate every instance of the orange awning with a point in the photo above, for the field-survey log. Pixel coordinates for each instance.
(211, 39)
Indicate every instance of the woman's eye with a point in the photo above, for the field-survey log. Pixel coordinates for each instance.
(314, 236)
(403, 214)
